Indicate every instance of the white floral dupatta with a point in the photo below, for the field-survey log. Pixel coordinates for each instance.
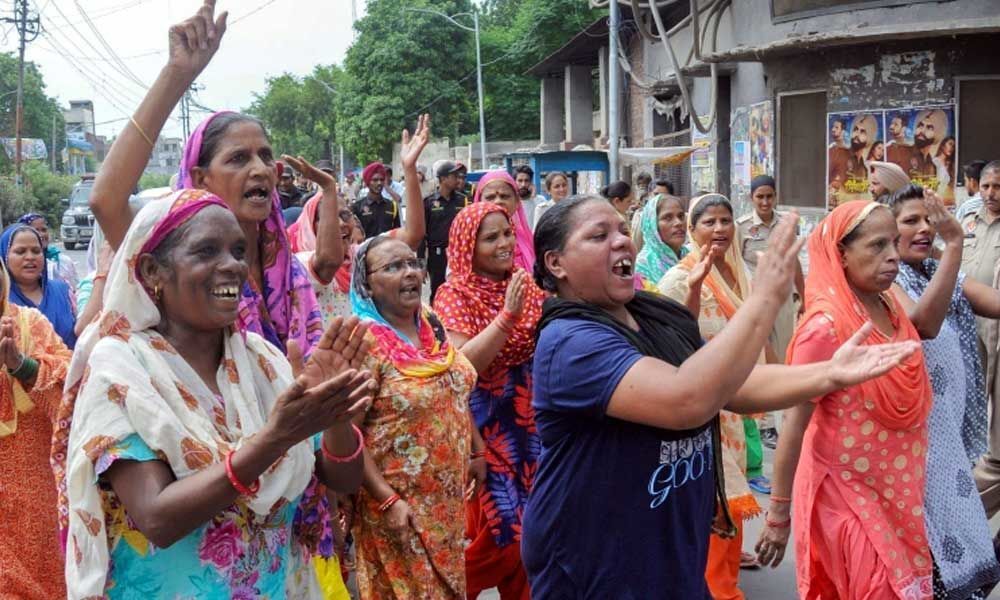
(131, 381)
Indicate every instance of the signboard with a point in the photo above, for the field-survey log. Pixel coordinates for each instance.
(31, 148)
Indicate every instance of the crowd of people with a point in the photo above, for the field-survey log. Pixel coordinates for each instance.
(252, 393)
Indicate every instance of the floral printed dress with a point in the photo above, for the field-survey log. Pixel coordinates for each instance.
(236, 555)
(418, 435)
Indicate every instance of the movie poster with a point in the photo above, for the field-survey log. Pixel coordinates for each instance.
(703, 160)
(853, 140)
(739, 135)
(922, 142)
(761, 139)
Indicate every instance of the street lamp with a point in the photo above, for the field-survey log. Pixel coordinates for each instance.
(479, 68)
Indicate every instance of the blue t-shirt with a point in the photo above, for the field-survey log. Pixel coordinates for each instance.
(618, 510)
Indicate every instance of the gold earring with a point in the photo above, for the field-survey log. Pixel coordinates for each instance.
(156, 292)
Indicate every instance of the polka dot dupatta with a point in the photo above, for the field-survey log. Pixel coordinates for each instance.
(859, 487)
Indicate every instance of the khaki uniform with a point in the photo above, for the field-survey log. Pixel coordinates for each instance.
(980, 255)
(753, 235)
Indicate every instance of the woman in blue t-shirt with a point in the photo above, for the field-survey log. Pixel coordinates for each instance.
(626, 403)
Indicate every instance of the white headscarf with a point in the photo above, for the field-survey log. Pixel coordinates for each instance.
(131, 381)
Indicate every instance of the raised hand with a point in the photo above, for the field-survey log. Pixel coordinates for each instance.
(302, 412)
(325, 181)
(9, 353)
(703, 267)
(412, 146)
(514, 298)
(855, 363)
(944, 222)
(342, 347)
(777, 267)
(195, 41)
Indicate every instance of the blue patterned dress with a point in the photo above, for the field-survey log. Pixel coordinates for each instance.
(956, 521)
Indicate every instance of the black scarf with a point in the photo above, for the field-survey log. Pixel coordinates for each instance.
(668, 332)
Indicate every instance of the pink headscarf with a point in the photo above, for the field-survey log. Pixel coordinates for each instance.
(302, 233)
(524, 252)
(286, 309)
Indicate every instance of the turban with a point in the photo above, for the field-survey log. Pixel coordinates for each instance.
(371, 170)
(891, 175)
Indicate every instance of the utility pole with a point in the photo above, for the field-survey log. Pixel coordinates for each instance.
(614, 81)
(52, 150)
(28, 28)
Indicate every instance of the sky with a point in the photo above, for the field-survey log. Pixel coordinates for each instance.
(266, 38)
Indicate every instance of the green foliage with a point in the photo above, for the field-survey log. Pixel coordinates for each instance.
(401, 63)
(43, 192)
(39, 109)
(149, 181)
(300, 112)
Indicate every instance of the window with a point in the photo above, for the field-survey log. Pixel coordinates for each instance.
(789, 10)
(801, 156)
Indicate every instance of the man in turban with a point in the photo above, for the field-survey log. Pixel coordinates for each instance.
(932, 127)
(864, 130)
(885, 178)
(377, 213)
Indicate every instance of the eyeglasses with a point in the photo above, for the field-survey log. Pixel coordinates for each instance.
(397, 266)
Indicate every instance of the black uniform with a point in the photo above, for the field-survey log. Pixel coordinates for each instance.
(439, 212)
(377, 215)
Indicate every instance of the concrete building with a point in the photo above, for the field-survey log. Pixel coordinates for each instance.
(807, 95)
(166, 156)
(80, 117)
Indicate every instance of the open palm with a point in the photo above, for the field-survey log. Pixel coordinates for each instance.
(413, 145)
(342, 347)
(854, 363)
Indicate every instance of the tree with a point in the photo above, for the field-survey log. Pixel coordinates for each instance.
(401, 64)
(39, 108)
(517, 34)
(300, 112)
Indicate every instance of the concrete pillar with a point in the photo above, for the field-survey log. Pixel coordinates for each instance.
(553, 100)
(579, 106)
(602, 77)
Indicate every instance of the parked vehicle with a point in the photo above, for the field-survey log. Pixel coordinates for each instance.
(78, 222)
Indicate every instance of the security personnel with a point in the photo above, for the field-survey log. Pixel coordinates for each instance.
(440, 209)
(376, 213)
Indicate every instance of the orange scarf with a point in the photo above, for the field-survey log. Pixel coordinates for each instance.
(902, 397)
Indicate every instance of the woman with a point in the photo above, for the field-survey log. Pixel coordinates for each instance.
(712, 281)
(166, 491)
(877, 152)
(30, 387)
(859, 484)
(944, 160)
(956, 523)
(557, 187)
(59, 265)
(22, 251)
(408, 525)
(321, 237)
(663, 231)
(624, 394)
(498, 187)
(619, 194)
(490, 308)
(229, 155)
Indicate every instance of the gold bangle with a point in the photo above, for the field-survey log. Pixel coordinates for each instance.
(141, 132)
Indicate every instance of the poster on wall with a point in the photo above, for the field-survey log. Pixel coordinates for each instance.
(922, 141)
(702, 160)
(739, 135)
(761, 137)
(853, 139)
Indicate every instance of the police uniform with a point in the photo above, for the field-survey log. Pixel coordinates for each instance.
(980, 253)
(377, 215)
(439, 212)
(753, 235)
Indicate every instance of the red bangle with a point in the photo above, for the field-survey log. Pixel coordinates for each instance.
(508, 316)
(780, 499)
(344, 459)
(480, 454)
(388, 502)
(236, 483)
(778, 525)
